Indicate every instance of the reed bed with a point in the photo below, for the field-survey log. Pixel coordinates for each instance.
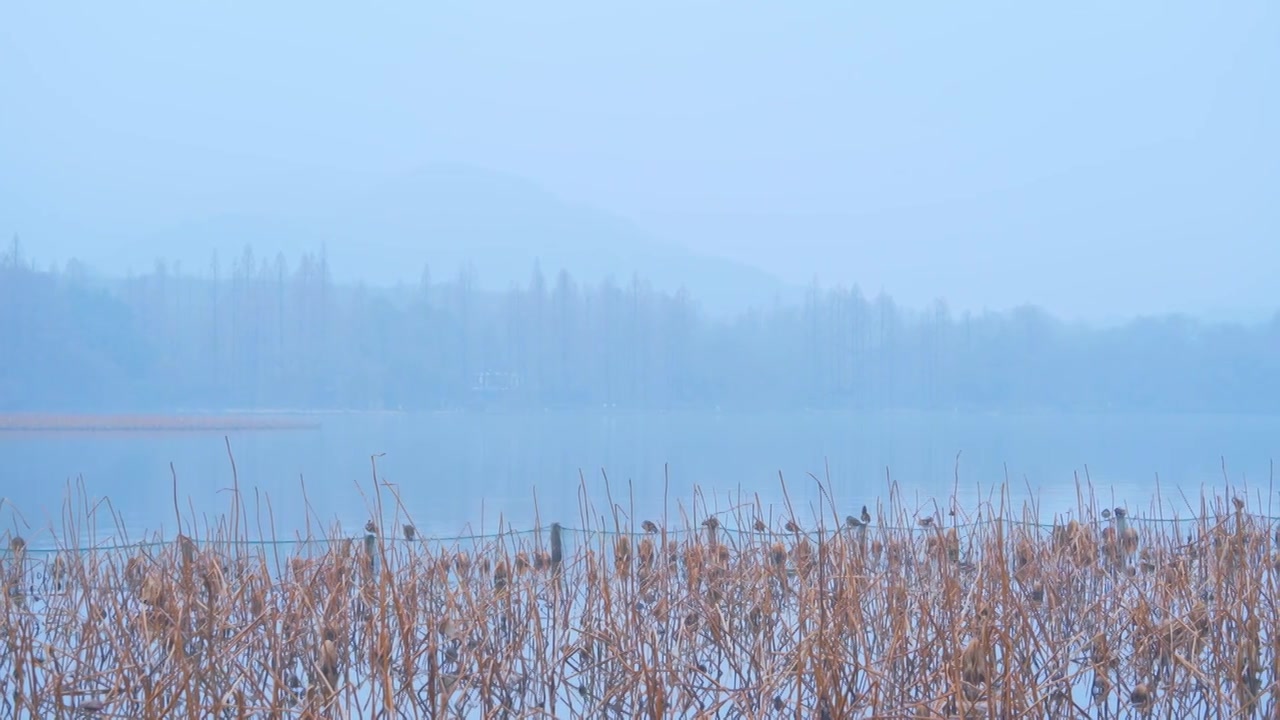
(834, 612)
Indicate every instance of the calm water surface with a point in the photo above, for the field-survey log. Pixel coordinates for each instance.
(460, 473)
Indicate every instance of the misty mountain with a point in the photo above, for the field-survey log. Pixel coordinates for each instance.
(443, 217)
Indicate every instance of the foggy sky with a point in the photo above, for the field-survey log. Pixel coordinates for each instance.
(1100, 159)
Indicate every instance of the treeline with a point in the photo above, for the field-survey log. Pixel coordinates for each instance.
(252, 332)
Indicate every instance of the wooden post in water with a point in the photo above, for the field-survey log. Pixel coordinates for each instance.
(557, 549)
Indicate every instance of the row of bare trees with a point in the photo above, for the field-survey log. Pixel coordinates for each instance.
(263, 332)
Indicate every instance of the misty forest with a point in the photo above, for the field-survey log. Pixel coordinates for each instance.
(267, 333)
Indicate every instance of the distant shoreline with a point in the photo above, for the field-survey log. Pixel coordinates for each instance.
(151, 422)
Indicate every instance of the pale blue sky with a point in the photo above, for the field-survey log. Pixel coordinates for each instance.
(1096, 158)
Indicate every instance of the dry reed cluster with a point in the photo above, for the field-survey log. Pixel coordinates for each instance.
(884, 613)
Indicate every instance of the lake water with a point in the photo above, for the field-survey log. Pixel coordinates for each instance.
(459, 472)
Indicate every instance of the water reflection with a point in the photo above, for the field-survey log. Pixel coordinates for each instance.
(460, 473)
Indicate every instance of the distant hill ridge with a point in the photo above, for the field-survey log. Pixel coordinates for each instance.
(446, 216)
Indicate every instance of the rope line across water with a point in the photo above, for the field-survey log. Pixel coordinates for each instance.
(7, 550)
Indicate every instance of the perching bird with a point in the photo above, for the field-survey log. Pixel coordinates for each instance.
(711, 523)
(371, 528)
(926, 522)
(1106, 513)
(759, 525)
(409, 532)
(852, 522)
(866, 516)
(649, 527)
(792, 527)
